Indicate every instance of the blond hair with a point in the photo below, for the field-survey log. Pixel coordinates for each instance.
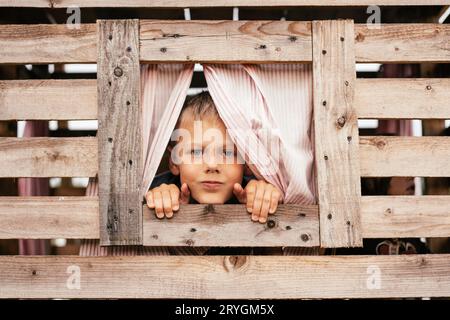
(197, 107)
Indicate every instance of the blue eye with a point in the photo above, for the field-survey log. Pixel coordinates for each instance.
(228, 153)
(196, 152)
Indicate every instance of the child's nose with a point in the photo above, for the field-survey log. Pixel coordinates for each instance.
(211, 160)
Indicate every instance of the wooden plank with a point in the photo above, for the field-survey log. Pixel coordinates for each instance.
(380, 156)
(230, 225)
(404, 43)
(49, 217)
(384, 98)
(47, 43)
(48, 157)
(222, 41)
(225, 277)
(213, 3)
(200, 41)
(387, 98)
(386, 156)
(78, 217)
(119, 132)
(336, 134)
(48, 99)
(405, 216)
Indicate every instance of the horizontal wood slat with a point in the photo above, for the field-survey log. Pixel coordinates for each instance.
(224, 41)
(225, 277)
(405, 216)
(48, 157)
(212, 3)
(77, 218)
(49, 217)
(380, 156)
(230, 225)
(383, 98)
(388, 98)
(48, 99)
(386, 156)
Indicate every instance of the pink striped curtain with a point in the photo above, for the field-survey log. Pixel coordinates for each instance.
(267, 109)
(34, 187)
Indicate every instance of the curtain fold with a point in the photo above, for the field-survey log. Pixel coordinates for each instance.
(34, 187)
(267, 109)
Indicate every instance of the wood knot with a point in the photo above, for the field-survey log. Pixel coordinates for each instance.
(209, 209)
(341, 121)
(232, 263)
(292, 38)
(360, 37)
(190, 242)
(271, 224)
(380, 144)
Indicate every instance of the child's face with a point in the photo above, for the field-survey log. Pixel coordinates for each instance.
(209, 165)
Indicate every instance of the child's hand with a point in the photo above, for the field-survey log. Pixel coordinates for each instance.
(261, 198)
(167, 198)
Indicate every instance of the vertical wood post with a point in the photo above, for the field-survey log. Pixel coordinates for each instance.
(119, 132)
(336, 133)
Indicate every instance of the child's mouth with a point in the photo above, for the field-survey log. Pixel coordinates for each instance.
(211, 185)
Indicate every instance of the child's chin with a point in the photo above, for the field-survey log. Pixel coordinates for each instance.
(211, 200)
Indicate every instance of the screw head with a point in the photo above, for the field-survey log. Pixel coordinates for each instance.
(118, 72)
(271, 223)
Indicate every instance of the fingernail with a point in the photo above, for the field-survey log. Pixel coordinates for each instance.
(262, 220)
(176, 208)
(254, 218)
(249, 210)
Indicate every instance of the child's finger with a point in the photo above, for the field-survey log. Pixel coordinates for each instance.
(167, 203)
(157, 198)
(257, 204)
(239, 193)
(250, 192)
(265, 204)
(174, 196)
(185, 194)
(275, 199)
(149, 198)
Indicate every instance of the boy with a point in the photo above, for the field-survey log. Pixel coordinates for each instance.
(206, 170)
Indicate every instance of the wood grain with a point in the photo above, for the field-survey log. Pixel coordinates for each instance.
(78, 217)
(385, 156)
(48, 99)
(119, 132)
(230, 225)
(48, 157)
(336, 134)
(388, 98)
(225, 277)
(225, 42)
(212, 3)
